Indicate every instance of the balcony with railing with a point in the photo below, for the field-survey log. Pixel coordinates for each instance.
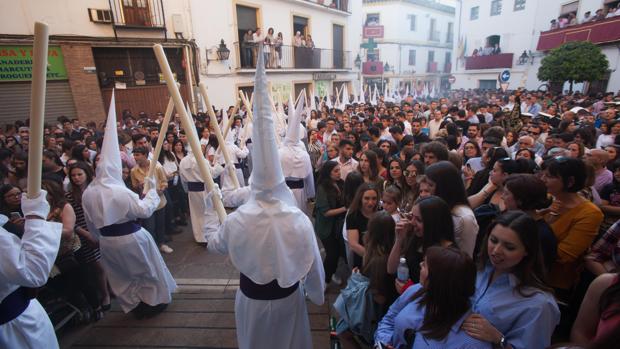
(292, 57)
(502, 60)
(138, 14)
(340, 5)
(598, 32)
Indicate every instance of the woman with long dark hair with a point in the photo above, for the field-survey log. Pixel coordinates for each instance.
(178, 148)
(369, 167)
(429, 314)
(445, 181)
(378, 241)
(174, 191)
(88, 255)
(11, 206)
(395, 173)
(366, 203)
(329, 217)
(428, 224)
(513, 306)
(410, 190)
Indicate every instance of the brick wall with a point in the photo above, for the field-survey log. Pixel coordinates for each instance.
(84, 86)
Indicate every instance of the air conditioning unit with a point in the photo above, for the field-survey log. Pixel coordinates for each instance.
(100, 16)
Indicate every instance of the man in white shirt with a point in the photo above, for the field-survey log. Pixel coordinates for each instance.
(434, 124)
(345, 160)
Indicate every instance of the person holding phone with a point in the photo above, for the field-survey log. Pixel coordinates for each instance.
(10, 206)
(430, 314)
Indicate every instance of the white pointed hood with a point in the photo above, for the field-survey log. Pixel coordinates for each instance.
(110, 168)
(268, 238)
(345, 96)
(107, 200)
(293, 131)
(328, 101)
(373, 99)
(266, 177)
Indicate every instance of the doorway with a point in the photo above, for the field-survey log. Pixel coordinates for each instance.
(300, 24)
(246, 20)
(338, 46)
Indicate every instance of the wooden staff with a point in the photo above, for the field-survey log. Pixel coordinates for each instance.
(186, 121)
(160, 142)
(248, 105)
(278, 120)
(230, 167)
(37, 108)
(231, 118)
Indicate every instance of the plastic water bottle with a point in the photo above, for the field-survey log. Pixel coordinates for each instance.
(402, 273)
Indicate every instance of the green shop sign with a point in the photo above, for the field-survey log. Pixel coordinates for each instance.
(16, 63)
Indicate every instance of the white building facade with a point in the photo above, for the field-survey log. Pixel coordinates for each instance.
(100, 45)
(521, 30)
(334, 26)
(417, 42)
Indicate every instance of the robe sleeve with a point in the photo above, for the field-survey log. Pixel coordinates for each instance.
(315, 281)
(27, 262)
(216, 240)
(144, 208)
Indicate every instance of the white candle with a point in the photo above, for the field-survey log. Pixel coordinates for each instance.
(160, 141)
(231, 118)
(248, 105)
(37, 107)
(230, 167)
(186, 121)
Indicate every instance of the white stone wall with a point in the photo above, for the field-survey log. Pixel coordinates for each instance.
(518, 30)
(222, 78)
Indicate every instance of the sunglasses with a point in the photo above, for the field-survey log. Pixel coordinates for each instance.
(410, 173)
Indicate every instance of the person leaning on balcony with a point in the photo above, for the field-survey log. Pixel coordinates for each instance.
(278, 49)
(257, 39)
(247, 45)
(309, 42)
(298, 40)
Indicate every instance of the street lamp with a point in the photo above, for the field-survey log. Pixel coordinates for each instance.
(223, 52)
(358, 61)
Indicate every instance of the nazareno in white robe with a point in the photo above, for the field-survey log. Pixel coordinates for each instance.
(135, 268)
(280, 323)
(27, 262)
(203, 219)
(270, 241)
(296, 164)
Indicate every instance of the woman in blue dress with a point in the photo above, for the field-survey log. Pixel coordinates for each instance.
(430, 314)
(513, 308)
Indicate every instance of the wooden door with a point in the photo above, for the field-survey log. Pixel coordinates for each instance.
(136, 12)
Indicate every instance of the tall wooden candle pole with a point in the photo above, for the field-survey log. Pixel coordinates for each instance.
(227, 127)
(186, 121)
(248, 105)
(160, 141)
(230, 167)
(37, 108)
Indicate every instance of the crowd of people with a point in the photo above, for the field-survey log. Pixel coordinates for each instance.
(272, 46)
(570, 19)
(479, 218)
